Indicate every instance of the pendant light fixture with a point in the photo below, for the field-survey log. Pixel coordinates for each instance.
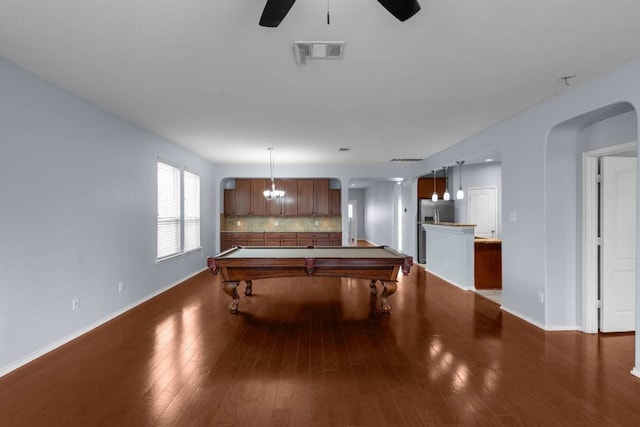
(434, 196)
(460, 193)
(446, 195)
(273, 193)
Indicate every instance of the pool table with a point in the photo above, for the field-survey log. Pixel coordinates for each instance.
(375, 263)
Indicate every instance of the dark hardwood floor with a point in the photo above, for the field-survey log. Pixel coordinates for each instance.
(318, 352)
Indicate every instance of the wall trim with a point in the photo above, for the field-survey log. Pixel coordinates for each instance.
(4, 370)
(635, 372)
(538, 324)
(449, 282)
(523, 317)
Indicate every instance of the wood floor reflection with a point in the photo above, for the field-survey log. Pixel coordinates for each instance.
(318, 352)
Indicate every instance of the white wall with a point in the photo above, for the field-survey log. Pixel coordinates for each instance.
(475, 175)
(357, 194)
(78, 215)
(612, 125)
(528, 143)
(379, 213)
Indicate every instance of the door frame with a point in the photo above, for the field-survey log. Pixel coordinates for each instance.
(590, 232)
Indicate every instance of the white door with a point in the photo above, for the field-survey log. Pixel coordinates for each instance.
(618, 237)
(483, 211)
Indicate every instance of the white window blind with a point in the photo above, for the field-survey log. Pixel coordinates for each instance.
(191, 211)
(168, 210)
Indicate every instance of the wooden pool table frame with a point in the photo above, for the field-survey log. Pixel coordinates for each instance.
(237, 264)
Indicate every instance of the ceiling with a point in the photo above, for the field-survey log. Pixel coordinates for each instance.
(204, 75)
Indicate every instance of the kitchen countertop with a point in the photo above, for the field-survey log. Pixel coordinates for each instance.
(280, 231)
(448, 224)
(485, 240)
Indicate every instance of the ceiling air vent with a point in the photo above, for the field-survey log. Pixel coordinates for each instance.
(317, 50)
(406, 160)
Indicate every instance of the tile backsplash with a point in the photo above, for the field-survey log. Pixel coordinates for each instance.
(281, 223)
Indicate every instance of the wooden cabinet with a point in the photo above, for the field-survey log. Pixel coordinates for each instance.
(229, 239)
(281, 239)
(305, 197)
(248, 197)
(335, 202)
(314, 239)
(321, 196)
(425, 187)
(488, 263)
(243, 197)
(229, 201)
(258, 201)
(301, 197)
(313, 196)
(287, 205)
(274, 206)
(290, 202)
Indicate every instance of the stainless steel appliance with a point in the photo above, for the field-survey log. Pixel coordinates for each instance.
(432, 212)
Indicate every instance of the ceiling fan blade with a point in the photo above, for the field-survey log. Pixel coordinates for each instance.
(274, 12)
(401, 9)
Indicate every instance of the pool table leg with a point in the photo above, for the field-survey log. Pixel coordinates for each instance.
(230, 289)
(374, 290)
(249, 288)
(389, 289)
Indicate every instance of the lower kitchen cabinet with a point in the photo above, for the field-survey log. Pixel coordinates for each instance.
(488, 263)
(281, 239)
(229, 239)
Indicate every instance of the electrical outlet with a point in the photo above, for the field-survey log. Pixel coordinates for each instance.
(75, 304)
(277, 222)
(541, 297)
(120, 286)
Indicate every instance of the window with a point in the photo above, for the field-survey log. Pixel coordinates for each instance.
(178, 211)
(191, 211)
(168, 210)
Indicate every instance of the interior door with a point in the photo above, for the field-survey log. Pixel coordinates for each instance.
(483, 211)
(618, 243)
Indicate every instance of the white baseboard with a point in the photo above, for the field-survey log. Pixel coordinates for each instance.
(450, 282)
(58, 343)
(538, 324)
(636, 372)
(523, 317)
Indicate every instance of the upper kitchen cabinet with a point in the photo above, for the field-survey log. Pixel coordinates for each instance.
(313, 196)
(258, 201)
(249, 197)
(290, 200)
(334, 202)
(243, 197)
(425, 187)
(287, 205)
(301, 197)
(229, 202)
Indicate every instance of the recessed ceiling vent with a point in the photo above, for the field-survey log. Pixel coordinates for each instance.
(406, 160)
(317, 50)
